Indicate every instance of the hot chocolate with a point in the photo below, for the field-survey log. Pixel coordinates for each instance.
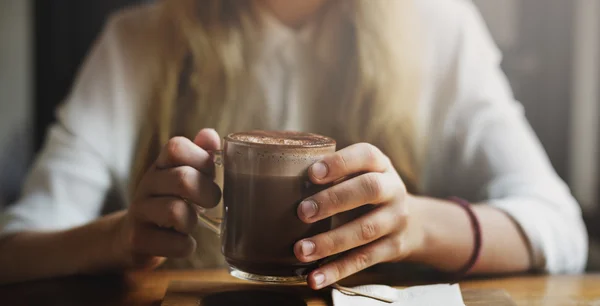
(265, 180)
(262, 224)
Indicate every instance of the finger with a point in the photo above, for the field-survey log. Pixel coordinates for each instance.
(208, 139)
(168, 212)
(148, 239)
(371, 188)
(362, 157)
(180, 151)
(357, 260)
(184, 182)
(367, 228)
(147, 262)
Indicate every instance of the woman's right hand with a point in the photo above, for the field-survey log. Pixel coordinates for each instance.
(162, 214)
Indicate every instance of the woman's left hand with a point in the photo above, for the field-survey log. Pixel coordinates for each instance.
(386, 233)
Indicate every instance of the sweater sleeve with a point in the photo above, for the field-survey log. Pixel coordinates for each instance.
(488, 153)
(73, 173)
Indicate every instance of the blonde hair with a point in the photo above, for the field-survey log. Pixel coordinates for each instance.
(205, 52)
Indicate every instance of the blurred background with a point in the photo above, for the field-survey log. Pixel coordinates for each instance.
(551, 56)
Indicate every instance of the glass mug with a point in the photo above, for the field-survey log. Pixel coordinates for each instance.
(265, 179)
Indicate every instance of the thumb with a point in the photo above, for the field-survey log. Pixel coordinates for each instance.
(208, 139)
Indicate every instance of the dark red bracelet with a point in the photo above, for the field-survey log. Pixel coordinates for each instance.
(476, 237)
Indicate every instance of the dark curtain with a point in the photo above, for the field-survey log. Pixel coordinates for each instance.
(64, 32)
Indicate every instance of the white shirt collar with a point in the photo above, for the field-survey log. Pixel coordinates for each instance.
(276, 36)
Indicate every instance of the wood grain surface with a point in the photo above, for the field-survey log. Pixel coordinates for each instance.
(149, 288)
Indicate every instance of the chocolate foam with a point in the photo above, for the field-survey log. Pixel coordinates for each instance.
(282, 138)
(275, 153)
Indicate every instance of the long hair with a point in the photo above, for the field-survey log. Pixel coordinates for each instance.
(205, 50)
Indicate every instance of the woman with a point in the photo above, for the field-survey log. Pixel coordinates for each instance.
(411, 90)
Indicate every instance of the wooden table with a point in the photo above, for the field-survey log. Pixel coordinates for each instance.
(148, 288)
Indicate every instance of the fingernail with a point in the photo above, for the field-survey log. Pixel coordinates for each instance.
(319, 170)
(319, 278)
(307, 247)
(308, 209)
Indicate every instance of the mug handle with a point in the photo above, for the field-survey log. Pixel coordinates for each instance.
(212, 223)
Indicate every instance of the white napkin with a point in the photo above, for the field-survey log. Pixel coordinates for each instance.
(430, 295)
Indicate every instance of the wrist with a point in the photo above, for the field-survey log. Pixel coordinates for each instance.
(121, 255)
(100, 244)
(421, 234)
(446, 234)
(117, 243)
